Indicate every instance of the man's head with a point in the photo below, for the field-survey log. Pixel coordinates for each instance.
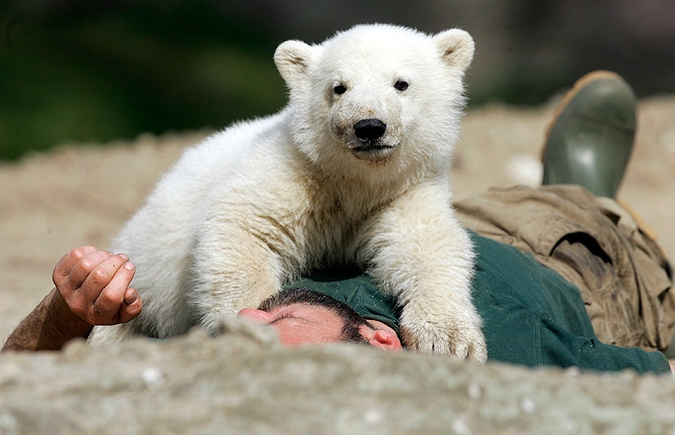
(301, 316)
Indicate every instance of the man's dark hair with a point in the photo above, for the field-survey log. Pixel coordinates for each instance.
(299, 295)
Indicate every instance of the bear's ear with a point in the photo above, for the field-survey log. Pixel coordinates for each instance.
(292, 59)
(456, 47)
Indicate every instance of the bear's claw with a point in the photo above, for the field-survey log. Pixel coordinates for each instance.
(458, 339)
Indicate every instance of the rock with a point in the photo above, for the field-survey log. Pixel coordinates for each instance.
(240, 384)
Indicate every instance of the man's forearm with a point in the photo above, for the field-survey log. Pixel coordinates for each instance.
(48, 327)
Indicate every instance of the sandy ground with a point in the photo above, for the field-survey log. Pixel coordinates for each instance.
(50, 203)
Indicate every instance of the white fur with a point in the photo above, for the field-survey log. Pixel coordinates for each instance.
(265, 201)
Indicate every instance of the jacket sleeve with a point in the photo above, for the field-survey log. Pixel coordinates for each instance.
(518, 334)
(561, 348)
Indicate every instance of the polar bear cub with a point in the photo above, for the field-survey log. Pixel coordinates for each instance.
(353, 170)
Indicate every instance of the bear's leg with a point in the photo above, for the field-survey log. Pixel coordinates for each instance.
(421, 255)
(103, 335)
(234, 268)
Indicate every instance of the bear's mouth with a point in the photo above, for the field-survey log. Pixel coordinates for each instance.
(372, 151)
(371, 147)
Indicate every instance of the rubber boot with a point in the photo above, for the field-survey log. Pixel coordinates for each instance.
(590, 141)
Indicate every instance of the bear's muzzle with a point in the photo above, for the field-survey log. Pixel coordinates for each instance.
(369, 130)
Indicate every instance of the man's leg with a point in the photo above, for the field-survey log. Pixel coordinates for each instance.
(589, 144)
(623, 276)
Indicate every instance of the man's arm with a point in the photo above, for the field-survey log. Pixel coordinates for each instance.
(92, 288)
(48, 327)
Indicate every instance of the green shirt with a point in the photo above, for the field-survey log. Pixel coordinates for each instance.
(531, 315)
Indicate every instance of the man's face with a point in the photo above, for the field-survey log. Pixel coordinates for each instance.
(301, 316)
(300, 323)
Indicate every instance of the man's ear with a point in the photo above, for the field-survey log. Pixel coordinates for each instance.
(292, 59)
(385, 339)
(456, 47)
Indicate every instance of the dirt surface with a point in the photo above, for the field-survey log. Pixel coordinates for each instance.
(80, 195)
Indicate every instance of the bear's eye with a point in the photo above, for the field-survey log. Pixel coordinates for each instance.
(339, 89)
(401, 85)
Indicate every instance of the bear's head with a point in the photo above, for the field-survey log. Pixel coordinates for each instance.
(377, 96)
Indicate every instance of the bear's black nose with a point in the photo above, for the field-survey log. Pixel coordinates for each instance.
(369, 129)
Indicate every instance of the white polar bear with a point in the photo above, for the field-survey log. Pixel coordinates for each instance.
(353, 170)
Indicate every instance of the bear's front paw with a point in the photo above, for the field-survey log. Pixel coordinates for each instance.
(460, 336)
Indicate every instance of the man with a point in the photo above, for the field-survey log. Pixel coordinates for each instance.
(92, 288)
(581, 284)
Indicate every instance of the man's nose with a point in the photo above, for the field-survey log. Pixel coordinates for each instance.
(257, 316)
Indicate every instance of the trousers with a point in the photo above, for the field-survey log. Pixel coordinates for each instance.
(624, 276)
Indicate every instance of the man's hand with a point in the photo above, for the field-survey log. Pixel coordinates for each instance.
(95, 286)
(92, 288)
